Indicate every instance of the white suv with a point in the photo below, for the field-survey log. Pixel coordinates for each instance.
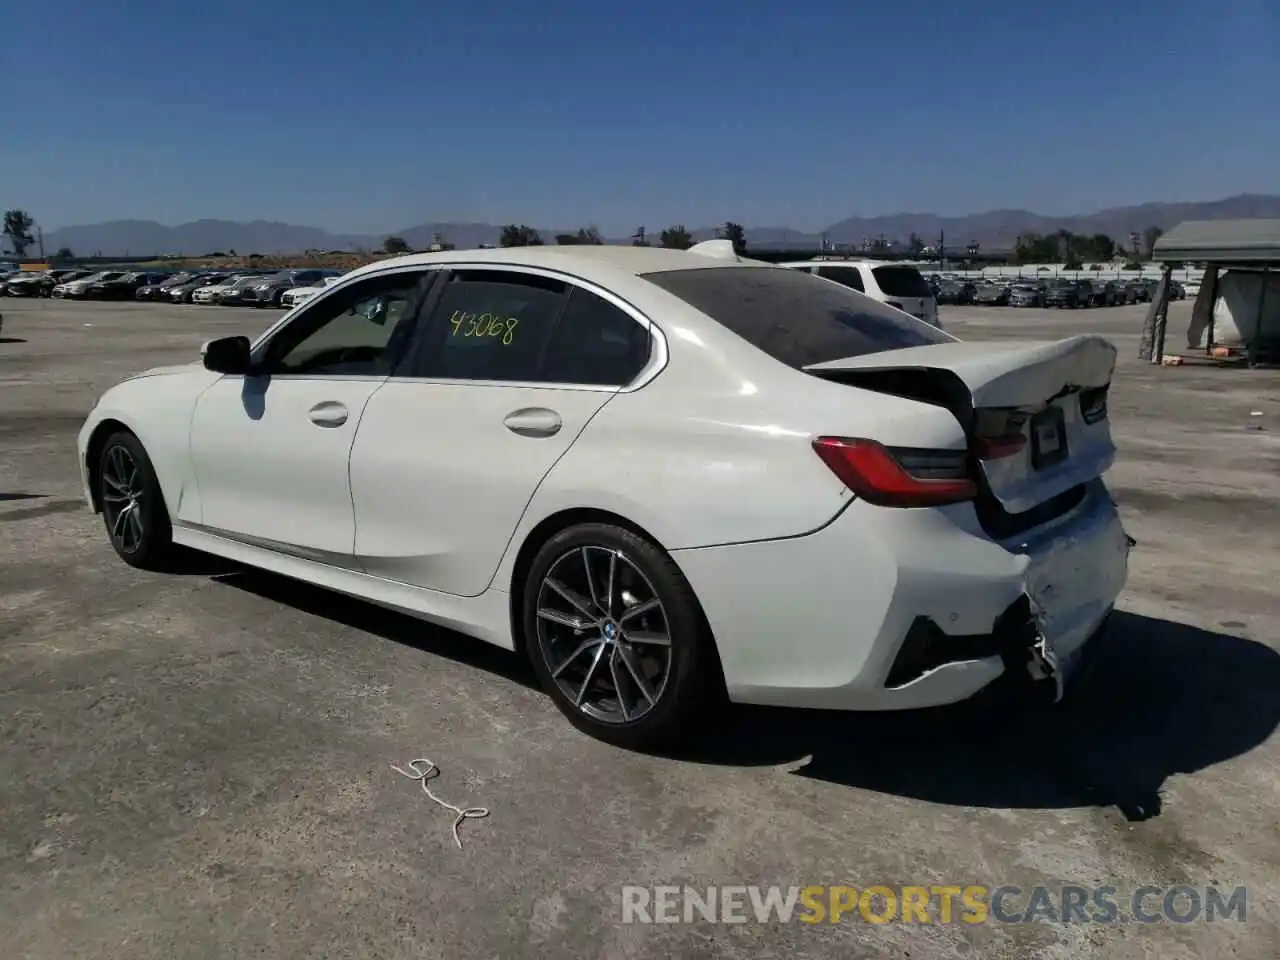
(897, 284)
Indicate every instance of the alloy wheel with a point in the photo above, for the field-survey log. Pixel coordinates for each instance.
(604, 634)
(122, 498)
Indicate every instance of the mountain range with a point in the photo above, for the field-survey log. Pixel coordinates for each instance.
(993, 230)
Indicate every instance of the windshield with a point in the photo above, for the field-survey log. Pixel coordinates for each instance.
(794, 317)
(899, 281)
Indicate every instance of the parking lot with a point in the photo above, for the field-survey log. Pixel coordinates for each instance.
(197, 765)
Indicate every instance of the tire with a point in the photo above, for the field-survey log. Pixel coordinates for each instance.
(277, 299)
(678, 677)
(133, 507)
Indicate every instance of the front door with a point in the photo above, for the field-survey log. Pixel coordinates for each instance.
(510, 370)
(270, 451)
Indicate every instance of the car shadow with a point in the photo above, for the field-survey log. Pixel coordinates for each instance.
(12, 340)
(1163, 698)
(8, 497)
(381, 622)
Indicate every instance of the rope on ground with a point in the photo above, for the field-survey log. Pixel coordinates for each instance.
(423, 770)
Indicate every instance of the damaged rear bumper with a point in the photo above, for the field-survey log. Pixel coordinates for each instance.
(906, 609)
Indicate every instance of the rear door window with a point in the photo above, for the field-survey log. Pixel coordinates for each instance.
(900, 281)
(793, 319)
(850, 277)
(490, 325)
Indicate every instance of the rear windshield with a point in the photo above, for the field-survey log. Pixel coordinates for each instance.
(793, 317)
(901, 282)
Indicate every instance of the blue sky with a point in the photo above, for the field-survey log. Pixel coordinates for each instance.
(382, 115)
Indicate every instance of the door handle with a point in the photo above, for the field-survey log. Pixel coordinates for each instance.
(533, 422)
(330, 413)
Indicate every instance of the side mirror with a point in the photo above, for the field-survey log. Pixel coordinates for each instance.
(229, 355)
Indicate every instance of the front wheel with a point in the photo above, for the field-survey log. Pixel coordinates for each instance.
(616, 635)
(133, 506)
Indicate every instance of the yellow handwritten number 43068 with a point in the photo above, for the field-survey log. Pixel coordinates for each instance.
(484, 325)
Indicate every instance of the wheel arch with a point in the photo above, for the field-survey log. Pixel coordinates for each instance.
(553, 524)
(105, 429)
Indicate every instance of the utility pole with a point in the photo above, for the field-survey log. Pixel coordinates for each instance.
(40, 239)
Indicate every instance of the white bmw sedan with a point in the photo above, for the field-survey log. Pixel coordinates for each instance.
(660, 475)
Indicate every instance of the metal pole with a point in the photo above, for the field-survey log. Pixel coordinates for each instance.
(40, 235)
(1162, 315)
(1256, 343)
(1212, 271)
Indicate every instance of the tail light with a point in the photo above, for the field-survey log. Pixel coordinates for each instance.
(996, 448)
(898, 476)
(999, 433)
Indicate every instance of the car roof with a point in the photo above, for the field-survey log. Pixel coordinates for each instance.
(581, 259)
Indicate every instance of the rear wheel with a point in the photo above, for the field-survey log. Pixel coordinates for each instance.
(616, 635)
(133, 506)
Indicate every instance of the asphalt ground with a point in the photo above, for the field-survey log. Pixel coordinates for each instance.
(197, 765)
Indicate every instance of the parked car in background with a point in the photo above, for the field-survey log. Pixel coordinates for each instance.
(54, 277)
(210, 291)
(899, 285)
(123, 287)
(269, 291)
(956, 292)
(1026, 294)
(1068, 293)
(185, 292)
(992, 295)
(77, 289)
(23, 284)
(236, 292)
(1131, 292)
(299, 295)
(160, 291)
(1106, 294)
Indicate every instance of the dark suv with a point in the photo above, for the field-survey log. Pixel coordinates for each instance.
(124, 287)
(1107, 294)
(1069, 293)
(270, 290)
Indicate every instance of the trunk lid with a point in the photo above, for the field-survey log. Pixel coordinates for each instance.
(1035, 412)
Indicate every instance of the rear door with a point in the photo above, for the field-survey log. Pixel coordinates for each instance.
(510, 369)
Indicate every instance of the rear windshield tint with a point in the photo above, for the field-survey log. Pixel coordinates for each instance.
(796, 318)
(901, 282)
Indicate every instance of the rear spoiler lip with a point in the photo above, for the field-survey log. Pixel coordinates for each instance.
(993, 372)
